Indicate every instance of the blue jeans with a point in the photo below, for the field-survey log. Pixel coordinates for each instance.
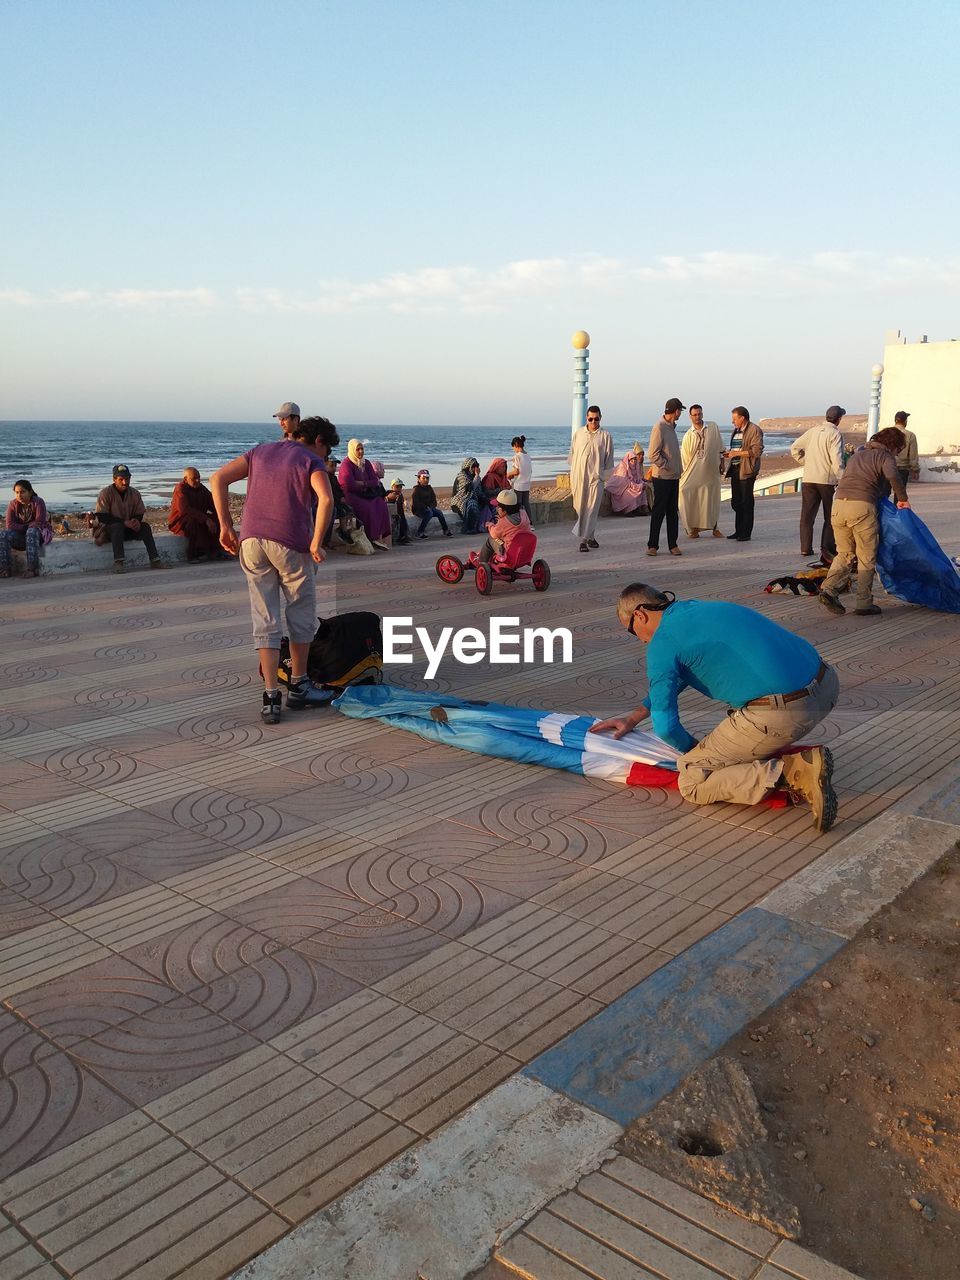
(28, 541)
(428, 514)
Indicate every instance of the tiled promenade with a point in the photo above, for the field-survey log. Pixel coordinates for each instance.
(243, 966)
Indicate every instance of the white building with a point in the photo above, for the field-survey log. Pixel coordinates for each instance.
(924, 379)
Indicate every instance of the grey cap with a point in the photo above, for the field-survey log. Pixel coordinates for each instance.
(288, 410)
(835, 413)
(673, 405)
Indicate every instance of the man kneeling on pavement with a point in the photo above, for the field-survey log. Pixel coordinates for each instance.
(775, 683)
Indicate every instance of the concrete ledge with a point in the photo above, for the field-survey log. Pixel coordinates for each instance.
(439, 1209)
(82, 555)
(847, 886)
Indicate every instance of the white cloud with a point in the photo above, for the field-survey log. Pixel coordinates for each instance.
(473, 290)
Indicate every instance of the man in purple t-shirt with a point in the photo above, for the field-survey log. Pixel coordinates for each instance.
(281, 538)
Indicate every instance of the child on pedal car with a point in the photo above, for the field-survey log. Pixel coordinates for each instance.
(510, 521)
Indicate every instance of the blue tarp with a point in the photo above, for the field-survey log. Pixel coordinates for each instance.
(911, 563)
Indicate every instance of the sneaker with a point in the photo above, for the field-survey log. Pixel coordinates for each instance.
(592, 543)
(156, 564)
(119, 566)
(304, 693)
(831, 603)
(272, 706)
(871, 611)
(584, 546)
(809, 773)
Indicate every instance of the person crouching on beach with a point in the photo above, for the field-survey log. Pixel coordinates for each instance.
(510, 521)
(194, 517)
(121, 517)
(278, 545)
(27, 528)
(424, 504)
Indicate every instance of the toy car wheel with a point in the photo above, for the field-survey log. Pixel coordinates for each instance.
(540, 574)
(449, 569)
(484, 579)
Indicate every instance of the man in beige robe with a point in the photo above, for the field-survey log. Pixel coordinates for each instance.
(701, 454)
(591, 457)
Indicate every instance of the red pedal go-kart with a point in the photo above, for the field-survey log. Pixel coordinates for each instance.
(505, 568)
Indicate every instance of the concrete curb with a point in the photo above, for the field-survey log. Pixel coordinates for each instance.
(438, 1211)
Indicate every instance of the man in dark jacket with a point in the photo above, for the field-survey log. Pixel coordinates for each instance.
(424, 504)
(855, 524)
(121, 517)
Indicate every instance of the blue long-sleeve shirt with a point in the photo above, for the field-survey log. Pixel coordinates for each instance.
(727, 652)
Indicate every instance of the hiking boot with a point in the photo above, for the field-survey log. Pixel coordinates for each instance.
(809, 773)
(272, 706)
(119, 566)
(831, 602)
(304, 693)
(871, 611)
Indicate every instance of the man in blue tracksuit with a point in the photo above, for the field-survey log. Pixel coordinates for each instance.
(775, 683)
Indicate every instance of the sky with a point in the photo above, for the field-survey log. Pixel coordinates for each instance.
(399, 211)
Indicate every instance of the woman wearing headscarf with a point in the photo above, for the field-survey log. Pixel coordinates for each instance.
(466, 500)
(494, 482)
(627, 487)
(27, 528)
(364, 493)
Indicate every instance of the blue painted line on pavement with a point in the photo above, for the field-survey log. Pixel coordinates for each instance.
(624, 1060)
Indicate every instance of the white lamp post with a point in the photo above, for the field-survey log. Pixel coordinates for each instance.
(873, 415)
(581, 363)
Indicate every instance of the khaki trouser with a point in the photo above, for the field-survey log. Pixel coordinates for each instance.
(732, 762)
(857, 531)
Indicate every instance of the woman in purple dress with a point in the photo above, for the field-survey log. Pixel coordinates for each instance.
(364, 493)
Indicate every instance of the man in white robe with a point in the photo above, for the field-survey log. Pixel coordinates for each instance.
(591, 456)
(701, 453)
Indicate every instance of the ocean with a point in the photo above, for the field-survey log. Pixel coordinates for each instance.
(68, 463)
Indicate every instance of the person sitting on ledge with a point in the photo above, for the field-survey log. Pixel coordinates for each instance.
(424, 504)
(776, 684)
(28, 528)
(121, 517)
(193, 516)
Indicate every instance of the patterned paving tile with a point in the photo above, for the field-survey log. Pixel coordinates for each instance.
(369, 945)
(155, 1051)
(132, 1200)
(81, 884)
(89, 1000)
(48, 1104)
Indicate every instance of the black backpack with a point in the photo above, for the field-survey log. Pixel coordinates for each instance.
(347, 649)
